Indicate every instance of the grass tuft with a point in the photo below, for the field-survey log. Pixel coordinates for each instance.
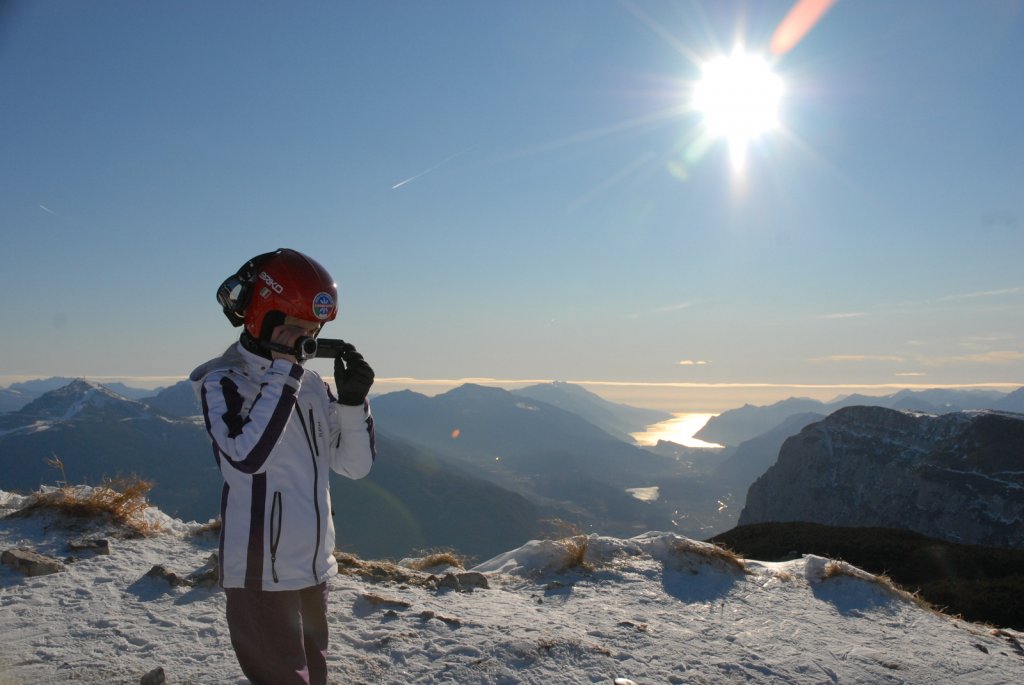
(119, 500)
(713, 553)
(556, 529)
(576, 554)
(835, 568)
(439, 558)
(982, 584)
(212, 526)
(377, 571)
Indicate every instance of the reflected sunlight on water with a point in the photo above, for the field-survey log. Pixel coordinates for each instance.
(679, 429)
(645, 494)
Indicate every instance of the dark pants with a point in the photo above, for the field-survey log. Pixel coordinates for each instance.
(280, 638)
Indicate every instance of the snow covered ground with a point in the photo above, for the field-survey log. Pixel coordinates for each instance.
(654, 609)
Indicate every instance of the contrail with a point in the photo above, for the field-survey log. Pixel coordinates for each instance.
(48, 210)
(427, 171)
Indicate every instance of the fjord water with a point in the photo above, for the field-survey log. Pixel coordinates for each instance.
(680, 429)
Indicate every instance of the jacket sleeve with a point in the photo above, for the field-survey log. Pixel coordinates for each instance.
(353, 447)
(246, 439)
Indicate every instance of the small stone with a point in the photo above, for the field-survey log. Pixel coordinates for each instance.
(30, 562)
(206, 576)
(154, 677)
(388, 602)
(160, 571)
(97, 546)
(450, 581)
(473, 579)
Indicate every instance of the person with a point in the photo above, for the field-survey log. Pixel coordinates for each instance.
(277, 431)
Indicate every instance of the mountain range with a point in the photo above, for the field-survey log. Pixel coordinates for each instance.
(84, 432)
(17, 395)
(493, 467)
(736, 425)
(619, 420)
(480, 505)
(574, 470)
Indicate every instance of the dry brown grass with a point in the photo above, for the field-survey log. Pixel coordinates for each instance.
(836, 568)
(557, 529)
(56, 463)
(439, 558)
(212, 526)
(119, 500)
(713, 553)
(378, 571)
(982, 584)
(576, 553)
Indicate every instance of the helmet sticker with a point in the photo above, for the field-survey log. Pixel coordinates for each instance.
(323, 306)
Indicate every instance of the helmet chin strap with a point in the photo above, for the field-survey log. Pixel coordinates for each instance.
(257, 347)
(262, 345)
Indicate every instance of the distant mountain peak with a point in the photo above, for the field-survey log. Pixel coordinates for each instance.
(619, 420)
(474, 390)
(82, 397)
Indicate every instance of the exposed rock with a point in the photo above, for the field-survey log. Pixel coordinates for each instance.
(154, 677)
(31, 563)
(205, 576)
(160, 571)
(379, 601)
(472, 579)
(97, 546)
(957, 477)
(450, 581)
(453, 622)
(466, 581)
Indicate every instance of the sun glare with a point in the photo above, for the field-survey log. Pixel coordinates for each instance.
(738, 96)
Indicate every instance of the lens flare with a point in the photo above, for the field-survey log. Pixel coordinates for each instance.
(800, 20)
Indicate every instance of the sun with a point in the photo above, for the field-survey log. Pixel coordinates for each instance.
(738, 96)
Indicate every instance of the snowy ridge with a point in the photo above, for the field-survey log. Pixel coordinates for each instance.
(82, 397)
(96, 396)
(654, 608)
(77, 396)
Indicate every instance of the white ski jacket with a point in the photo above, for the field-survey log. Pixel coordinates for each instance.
(277, 432)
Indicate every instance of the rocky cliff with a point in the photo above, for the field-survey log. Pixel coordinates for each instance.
(956, 477)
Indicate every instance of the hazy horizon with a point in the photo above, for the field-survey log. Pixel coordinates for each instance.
(676, 399)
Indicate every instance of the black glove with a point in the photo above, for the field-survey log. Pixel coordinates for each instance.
(353, 376)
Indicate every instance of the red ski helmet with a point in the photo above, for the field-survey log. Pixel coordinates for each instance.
(292, 284)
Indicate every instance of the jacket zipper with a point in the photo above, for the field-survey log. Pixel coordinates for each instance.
(314, 452)
(276, 513)
(316, 490)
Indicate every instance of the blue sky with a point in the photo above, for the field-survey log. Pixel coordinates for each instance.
(512, 191)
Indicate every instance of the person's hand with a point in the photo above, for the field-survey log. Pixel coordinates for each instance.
(353, 376)
(286, 336)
